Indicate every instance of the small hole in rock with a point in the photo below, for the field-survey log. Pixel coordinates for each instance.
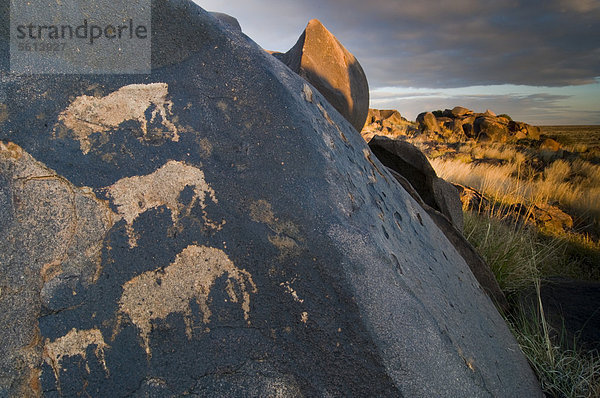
(397, 263)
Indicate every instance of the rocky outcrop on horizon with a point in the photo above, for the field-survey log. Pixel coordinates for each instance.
(451, 125)
(217, 228)
(462, 123)
(324, 62)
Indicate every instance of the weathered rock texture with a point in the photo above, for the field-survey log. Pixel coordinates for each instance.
(326, 64)
(386, 122)
(235, 238)
(481, 270)
(51, 238)
(228, 20)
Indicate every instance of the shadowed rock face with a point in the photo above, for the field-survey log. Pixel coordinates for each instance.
(407, 160)
(571, 307)
(427, 122)
(326, 64)
(262, 250)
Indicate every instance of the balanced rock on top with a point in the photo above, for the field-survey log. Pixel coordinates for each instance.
(325, 63)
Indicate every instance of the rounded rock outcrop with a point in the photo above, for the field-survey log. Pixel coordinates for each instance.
(428, 122)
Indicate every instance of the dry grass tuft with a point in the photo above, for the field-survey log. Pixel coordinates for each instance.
(563, 372)
(573, 186)
(520, 257)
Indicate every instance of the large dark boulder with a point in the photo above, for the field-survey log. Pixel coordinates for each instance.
(522, 130)
(407, 160)
(459, 111)
(491, 128)
(215, 228)
(324, 62)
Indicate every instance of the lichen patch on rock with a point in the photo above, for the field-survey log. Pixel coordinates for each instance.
(10, 150)
(287, 285)
(87, 115)
(286, 237)
(52, 237)
(135, 195)
(156, 294)
(3, 113)
(307, 93)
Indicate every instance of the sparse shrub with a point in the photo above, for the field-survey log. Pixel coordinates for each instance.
(498, 151)
(504, 115)
(558, 172)
(589, 172)
(515, 252)
(577, 147)
(562, 371)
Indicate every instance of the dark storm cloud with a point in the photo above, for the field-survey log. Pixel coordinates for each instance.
(467, 42)
(539, 49)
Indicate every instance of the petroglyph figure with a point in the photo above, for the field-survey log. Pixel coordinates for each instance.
(286, 237)
(138, 102)
(156, 294)
(74, 343)
(135, 195)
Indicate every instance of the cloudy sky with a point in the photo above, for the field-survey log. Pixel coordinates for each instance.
(536, 60)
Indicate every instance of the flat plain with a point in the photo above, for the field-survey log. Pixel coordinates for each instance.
(574, 135)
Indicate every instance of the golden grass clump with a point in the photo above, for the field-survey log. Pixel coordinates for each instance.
(495, 151)
(572, 185)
